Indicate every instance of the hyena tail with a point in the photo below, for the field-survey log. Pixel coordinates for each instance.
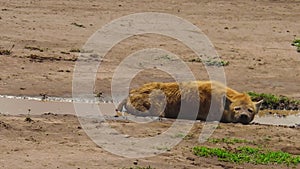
(129, 109)
(121, 105)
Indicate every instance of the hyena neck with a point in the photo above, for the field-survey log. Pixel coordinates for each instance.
(231, 94)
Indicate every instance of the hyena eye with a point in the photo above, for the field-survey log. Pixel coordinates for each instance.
(250, 110)
(237, 108)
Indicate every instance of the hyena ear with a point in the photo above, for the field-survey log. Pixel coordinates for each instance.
(258, 104)
(226, 102)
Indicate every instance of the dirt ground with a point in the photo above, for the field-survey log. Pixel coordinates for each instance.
(58, 141)
(254, 36)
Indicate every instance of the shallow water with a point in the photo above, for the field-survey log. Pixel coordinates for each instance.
(13, 105)
(289, 120)
(36, 106)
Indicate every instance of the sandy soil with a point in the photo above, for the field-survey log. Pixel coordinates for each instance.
(254, 36)
(58, 141)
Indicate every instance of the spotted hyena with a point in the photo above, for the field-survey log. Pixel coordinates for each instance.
(166, 100)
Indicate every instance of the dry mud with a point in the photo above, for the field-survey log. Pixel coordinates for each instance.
(254, 36)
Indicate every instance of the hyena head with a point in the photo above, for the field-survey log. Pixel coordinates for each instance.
(242, 109)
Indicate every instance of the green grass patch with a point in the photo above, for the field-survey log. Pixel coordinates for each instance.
(296, 43)
(268, 98)
(228, 140)
(247, 155)
(275, 102)
(211, 62)
(179, 135)
(217, 63)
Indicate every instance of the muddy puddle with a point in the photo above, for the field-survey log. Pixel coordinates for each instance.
(12, 105)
